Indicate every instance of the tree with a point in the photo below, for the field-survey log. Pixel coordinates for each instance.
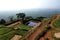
(2, 21)
(11, 18)
(28, 17)
(17, 16)
(40, 18)
(21, 15)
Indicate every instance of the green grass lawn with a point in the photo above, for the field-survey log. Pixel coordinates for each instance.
(57, 23)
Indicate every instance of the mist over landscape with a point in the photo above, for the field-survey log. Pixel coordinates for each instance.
(34, 8)
(32, 12)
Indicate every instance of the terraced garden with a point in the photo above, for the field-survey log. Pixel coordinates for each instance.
(56, 27)
(22, 26)
(6, 33)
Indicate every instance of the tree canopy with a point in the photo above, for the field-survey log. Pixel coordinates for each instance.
(21, 16)
(28, 17)
(11, 18)
(2, 21)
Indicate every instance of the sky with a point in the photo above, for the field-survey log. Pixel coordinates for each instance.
(29, 4)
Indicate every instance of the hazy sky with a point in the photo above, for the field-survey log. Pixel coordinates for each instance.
(28, 4)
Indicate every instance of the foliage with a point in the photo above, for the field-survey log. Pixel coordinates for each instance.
(11, 18)
(4, 30)
(2, 21)
(20, 32)
(28, 17)
(8, 33)
(20, 15)
(17, 16)
(40, 18)
(25, 27)
(22, 26)
(23, 39)
(57, 23)
(7, 36)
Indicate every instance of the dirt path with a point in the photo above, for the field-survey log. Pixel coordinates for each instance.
(48, 35)
(51, 25)
(13, 24)
(52, 22)
(16, 37)
(42, 38)
(38, 31)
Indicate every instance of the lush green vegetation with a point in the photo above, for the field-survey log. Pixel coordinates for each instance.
(5, 30)
(25, 27)
(22, 26)
(2, 21)
(7, 33)
(23, 39)
(20, 32)
(7, 36)
(57, 23)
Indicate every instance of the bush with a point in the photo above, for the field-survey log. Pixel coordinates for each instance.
(57, 23)
(20, 32)
(2, 21)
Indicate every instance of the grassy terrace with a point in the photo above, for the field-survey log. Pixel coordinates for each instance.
(8, 33)
(20, 32)
(57, 23)
(7, 36)
(56, 28)
(5, 30)
(22, 26)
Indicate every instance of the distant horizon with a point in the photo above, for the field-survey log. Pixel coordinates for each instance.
(32, 12)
